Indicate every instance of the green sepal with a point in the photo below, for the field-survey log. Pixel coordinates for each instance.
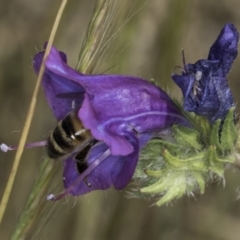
(166, 182)
(186, 137)
(174, 184)
(199, 123)
(185, 184)
(152, 150)
(229, 132)
(154, 173)
(198, 176)
(173, 193)
(192, 157)
(215, 165)
(195, 162)
(214, 134)
(174, 148)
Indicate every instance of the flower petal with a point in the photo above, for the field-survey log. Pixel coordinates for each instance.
(62, 94)
(114, 105)
(125, 104)
(114, 171)
(225, 48)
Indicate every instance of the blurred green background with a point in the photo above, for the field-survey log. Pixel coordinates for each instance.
(148, 39)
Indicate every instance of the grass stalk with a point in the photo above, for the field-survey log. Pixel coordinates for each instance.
(97, 31)
(34, 205)
(29, 117)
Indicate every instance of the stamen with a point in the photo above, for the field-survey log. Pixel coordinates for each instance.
(52, 197)
(198, 76)
(5, 148)
(184, 61)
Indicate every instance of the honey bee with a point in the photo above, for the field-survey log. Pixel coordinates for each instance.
(70, 136)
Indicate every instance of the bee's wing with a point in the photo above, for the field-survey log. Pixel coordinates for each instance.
(75, 99)
(70, 95)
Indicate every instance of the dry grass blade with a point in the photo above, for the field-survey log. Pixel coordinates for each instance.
(28, 121)
(34, 205)
(98, 29)
(34, 213)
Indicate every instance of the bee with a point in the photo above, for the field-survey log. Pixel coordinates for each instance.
(70, 136)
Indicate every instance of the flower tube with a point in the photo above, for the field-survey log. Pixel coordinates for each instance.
(122, 114)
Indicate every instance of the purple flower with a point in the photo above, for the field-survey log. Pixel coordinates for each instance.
(122, 113)
(204, 84)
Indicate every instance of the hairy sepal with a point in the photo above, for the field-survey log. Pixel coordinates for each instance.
(168, 170)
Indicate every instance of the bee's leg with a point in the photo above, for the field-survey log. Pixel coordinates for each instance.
(81, 177)
(5, 148)
(81, 159)
(82, 166)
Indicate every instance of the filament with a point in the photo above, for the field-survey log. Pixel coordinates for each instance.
(5, 148)
(102, 157)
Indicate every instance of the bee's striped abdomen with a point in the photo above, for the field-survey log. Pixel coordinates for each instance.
(67, 136)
